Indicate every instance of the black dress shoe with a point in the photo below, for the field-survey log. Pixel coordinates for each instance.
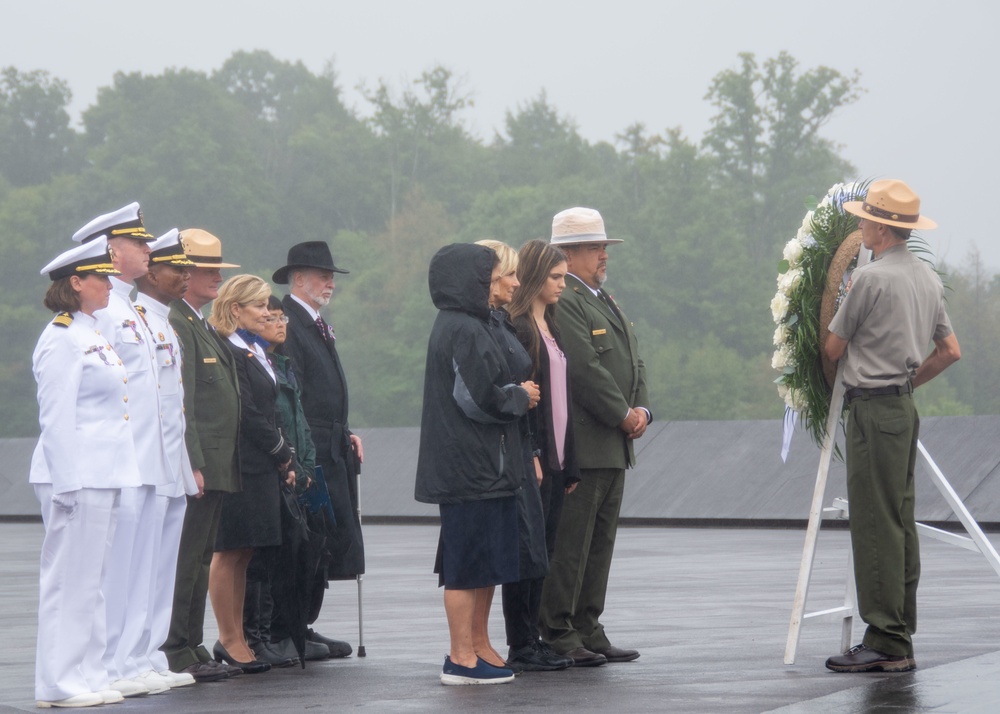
(582, 657)
(338, 648)
(533, 658)
(251, 667)
(203, 672)
(227, 669)
(316, 651)
(546, 648)
(617, 654)
(861, 658)
(263, 652)
(285, 648)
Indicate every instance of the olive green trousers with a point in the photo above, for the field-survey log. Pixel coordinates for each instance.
(576, 587)
(881, 454)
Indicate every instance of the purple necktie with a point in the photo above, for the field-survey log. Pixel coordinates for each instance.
(324, 331)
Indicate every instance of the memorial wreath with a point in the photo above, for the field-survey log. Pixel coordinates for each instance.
(813, 275)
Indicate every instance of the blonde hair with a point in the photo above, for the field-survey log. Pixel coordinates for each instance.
(505, 254)
(238, 290)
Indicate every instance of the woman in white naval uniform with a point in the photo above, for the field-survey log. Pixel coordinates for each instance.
(83, 458)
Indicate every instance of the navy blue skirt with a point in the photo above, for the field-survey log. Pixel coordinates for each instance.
(478, 546)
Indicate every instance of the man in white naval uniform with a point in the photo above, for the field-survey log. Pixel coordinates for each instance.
(166, 280)
(130, 568)
(83, 458)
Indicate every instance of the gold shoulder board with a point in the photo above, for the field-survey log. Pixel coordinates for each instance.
(63, 319)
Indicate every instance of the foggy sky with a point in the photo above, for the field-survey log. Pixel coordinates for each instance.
(928, 115)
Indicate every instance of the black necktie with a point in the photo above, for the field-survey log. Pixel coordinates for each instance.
(610, 303)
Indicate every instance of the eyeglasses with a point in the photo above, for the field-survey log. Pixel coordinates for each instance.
(283, 319)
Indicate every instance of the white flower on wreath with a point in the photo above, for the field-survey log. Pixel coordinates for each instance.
(789, 280)
(795, 399)
(779, 306)
(793, 251)
(823, 215)
(782, 358)
(807, 222)
(781, 335)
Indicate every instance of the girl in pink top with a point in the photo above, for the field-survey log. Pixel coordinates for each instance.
(542, 273)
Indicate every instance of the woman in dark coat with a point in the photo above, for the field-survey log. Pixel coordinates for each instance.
(251, 518)
(471, 461)
(272, 571)
(542, 273)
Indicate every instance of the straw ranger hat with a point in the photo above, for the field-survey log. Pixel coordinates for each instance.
(579, 225)
(891, 202)
(203, 249)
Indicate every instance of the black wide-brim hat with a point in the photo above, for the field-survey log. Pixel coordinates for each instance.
(311, 254)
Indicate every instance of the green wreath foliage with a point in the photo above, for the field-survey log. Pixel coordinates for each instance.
(802, 277)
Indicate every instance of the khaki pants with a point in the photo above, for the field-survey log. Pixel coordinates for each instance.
(881, 455)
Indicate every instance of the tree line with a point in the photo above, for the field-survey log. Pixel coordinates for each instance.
(264, 154)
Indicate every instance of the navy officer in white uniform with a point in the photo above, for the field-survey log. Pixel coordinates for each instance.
(83, 458)
(166, 280)
(133, 555)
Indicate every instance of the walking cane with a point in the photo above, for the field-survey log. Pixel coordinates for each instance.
(361, 577)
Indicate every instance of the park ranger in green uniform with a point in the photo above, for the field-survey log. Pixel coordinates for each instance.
(611, 409)
(893, 310)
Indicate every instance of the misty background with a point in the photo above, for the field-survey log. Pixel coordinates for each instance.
(392, 128)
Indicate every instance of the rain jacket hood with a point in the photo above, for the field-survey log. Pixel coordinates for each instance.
(470, 444)
(459, 278)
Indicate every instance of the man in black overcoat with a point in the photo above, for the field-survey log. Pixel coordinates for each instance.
(311, 347)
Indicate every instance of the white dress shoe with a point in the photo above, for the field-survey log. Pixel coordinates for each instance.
(111, 696)
(129, 687)
(87, 699)
(177, 679)
(157, 684)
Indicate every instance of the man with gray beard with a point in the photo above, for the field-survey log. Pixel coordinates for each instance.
(311, 348)
(610, 411)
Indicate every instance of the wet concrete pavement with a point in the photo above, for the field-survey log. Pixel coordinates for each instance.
(708, 609)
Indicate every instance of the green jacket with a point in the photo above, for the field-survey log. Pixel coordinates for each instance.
(606, 374)
(292, 419)
(211, 400)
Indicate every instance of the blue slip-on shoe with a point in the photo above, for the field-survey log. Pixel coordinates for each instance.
(482, 673)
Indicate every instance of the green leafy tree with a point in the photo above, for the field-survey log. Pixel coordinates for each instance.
(36, 141)
(973, 297)
(539, 146)
(766, 140)
(190, 154)
(283, 98)
(424, 140)
(386, 314)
